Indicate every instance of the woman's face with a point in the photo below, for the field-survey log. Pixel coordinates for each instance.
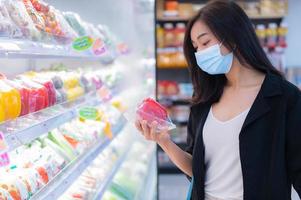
(202, 37)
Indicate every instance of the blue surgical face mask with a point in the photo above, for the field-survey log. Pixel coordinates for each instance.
(211, 60)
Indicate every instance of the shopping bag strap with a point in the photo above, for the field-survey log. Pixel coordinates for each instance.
(190, 189)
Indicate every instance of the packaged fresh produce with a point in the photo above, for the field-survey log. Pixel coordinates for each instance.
(75, 22)
(92, 31)
(30, 178)
(150, 111)
(21, 186)
(36, 18)
(57, 81)
(43, 174)
(56, 137)
(21, 19)
(86, 83)
(10, 101)
(74, 93)
(47, 83)
(38, 94)
(7, 27)
(70, 80)
(5, 195)
(55, 24)
(10, 186)
(109, 40)
(68, 33)
(2, 110)
(24, 93)
(61, 96)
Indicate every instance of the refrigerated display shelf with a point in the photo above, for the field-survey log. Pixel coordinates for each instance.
(148, 190)
(10, 48)
(27, 128)
(58, 185)
(106, 183)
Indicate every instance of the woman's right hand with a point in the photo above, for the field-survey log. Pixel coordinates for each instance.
(150, 132)
(181, 158)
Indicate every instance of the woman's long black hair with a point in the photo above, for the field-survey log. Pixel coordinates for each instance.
(230, 24)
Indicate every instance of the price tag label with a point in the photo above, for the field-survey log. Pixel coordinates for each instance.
(3, 144)
(104, 93)
(88, 113)
(98, 47)
(4, 158)
(82, 43)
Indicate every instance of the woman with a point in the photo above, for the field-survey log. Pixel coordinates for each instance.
(244, 130)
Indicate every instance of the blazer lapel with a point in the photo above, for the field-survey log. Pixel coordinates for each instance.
(270, 88)
(198, 156)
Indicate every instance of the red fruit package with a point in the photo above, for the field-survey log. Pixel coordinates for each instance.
(38, 94)
(48, 84)
(150, 110)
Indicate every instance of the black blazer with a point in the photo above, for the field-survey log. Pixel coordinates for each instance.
(269, 143)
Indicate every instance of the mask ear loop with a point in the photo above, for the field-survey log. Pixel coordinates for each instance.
(220, 44)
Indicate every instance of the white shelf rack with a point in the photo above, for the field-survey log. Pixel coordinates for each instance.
(108, 180)
(27, 128)
(148, 188)
(12, 48)
(59, 184)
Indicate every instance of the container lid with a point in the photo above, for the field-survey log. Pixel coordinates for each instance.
(168, 26)
(260, 27)
(181, 25)
(272, 25)
(284, 25)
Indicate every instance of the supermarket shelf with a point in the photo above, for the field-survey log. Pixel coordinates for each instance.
(170, 50)
(270, 16)
(106, 183)
(172, 19)
(174, 100)
(27, 128)
(162, 19)
(29, 49)
(69, 174)
(173, 68)
(147, 190)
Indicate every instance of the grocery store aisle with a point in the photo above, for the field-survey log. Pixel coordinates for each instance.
(173, 187)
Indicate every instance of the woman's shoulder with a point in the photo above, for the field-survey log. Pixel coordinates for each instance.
(290, 91)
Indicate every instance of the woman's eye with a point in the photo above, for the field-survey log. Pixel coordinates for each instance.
(204, 44)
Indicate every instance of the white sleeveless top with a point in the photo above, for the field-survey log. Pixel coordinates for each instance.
(223, 179)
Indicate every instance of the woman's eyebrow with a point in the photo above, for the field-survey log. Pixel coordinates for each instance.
(201, 35)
